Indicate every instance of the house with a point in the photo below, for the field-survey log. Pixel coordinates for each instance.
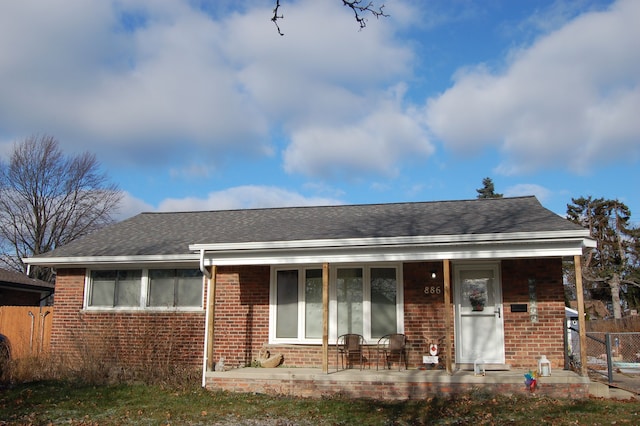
(18, 289)
(481, 277)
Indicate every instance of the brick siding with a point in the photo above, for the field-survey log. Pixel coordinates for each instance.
(394, 385)
(525, 340)
(240, 309)
(242, 319)
(132, 338)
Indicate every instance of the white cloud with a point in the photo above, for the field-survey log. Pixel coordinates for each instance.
(159, 82)
(244, 197)
(134, 93)
(131, 206)
(526, 189)
(567, 101)
(377, 144)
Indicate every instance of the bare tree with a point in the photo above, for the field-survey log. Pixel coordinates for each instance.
(359, 8)
(48, 199)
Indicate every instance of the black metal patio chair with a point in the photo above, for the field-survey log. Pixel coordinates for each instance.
(391, 346)
(351, 347)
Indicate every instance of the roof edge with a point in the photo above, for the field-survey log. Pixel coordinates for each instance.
(99, 260)
(582, 234)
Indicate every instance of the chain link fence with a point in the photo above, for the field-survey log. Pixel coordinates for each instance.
(613, 352)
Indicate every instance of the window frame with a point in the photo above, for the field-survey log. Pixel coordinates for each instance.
(333, 302)
(144, 293)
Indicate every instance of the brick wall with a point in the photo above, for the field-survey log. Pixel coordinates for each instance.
(423, 308)
(241, 313)
(525, 340)
(242, 319)
(240, 309)
(397, 386)
(138, 339)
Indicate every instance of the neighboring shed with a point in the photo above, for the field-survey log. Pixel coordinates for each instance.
(18, 289)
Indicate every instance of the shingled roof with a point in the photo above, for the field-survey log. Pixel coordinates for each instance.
(16, 279)
(172, 233)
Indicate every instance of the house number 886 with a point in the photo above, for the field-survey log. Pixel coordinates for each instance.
(432, 290)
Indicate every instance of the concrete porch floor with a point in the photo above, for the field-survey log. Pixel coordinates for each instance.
(391, 384)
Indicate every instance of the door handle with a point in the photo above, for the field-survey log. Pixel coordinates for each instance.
(497, 311)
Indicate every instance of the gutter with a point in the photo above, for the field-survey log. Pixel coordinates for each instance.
(79, 261)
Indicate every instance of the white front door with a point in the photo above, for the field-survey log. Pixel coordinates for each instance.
(479, 319)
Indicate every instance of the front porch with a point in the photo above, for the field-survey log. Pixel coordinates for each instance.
(390, 384)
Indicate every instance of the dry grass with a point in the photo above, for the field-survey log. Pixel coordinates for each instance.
(99, 357)
(72, 403)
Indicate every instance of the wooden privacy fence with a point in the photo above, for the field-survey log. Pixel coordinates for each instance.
(626, 324)
(27, 328)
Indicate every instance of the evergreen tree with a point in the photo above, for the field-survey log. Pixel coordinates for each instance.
(487, 190)
(611, 270)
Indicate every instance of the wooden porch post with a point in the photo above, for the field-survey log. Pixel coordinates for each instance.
(448, 313)
(211, 314)
(325, 318)
(577, 261)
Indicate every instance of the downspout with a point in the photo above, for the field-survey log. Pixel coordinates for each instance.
(203, 268)
(207, 274)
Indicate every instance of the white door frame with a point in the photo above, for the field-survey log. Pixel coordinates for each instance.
(479, 331)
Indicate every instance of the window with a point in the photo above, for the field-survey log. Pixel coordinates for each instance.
(175, 287)
(313, 304)
(363, 300)
(287, 300)
(299, 304)
(115, 288)
(142, 288)
(350, 294)
(384, 297)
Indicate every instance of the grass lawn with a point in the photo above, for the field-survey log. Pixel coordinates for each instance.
(76, 404)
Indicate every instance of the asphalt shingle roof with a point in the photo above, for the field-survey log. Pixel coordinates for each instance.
(171, 233)
(8, 277)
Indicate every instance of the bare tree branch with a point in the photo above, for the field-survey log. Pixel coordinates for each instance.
(359, 8)
(275, 17)
(48, 199)
(633, 283)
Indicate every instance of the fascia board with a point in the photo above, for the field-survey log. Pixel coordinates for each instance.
(486, 250)
(387, 241)
(111, 260)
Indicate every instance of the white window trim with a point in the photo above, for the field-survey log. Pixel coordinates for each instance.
(144, 289)
(333, 303)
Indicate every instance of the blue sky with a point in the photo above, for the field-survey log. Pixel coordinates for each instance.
(196, 105)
